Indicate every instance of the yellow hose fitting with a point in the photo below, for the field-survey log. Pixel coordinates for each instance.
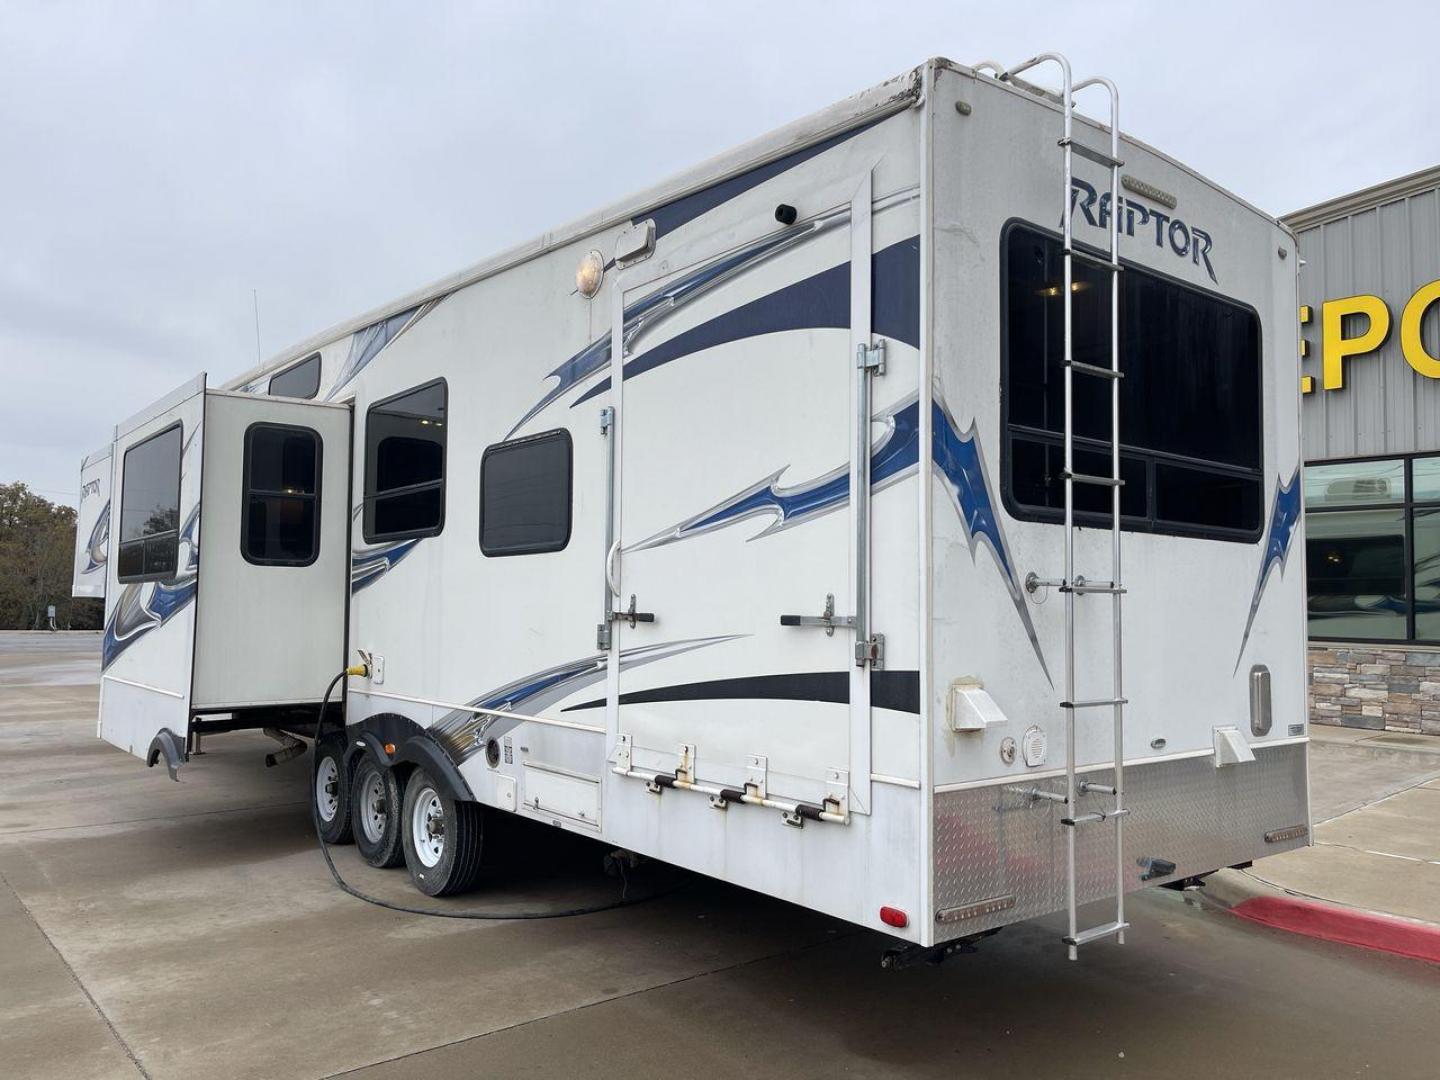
(359, 670)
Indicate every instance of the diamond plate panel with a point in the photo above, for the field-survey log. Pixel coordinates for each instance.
(1000, 841)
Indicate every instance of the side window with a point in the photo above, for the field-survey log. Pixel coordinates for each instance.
(1190, 399)
(280, 523)
(150, 508)
(405, 464)
(525, 495)
(300, 381)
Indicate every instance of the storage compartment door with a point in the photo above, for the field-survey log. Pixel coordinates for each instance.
(738, 436)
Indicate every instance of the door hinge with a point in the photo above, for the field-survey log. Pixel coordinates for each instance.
(871, 651)
(871, 358)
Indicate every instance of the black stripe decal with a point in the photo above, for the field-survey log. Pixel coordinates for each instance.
(897, 690)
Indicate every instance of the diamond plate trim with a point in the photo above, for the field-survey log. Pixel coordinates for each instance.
(998, 841)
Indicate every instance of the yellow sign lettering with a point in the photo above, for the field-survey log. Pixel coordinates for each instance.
(1335, 346)
(1410, 342)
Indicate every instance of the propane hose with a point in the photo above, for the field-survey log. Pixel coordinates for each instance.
(624, 900)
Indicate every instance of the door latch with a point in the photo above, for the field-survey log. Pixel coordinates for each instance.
(828, 619)
(871, 651)
(632, 616)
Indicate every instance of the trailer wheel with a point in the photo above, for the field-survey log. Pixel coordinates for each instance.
(441, 837)
(375, 813)
(330, 790)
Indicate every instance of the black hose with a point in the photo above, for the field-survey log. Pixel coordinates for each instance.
(623, 901)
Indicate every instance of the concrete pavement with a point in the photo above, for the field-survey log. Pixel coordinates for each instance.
(178, 930)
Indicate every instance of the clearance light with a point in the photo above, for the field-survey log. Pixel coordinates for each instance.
(389, 748)
(893, 916)
(589, 274)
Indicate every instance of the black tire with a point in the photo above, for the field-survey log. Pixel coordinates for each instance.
(448, 860)
(375, 805)
(330, 791)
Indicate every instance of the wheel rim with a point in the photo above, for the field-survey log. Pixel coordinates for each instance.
(427, 827)
(327, 789)
(373, 811)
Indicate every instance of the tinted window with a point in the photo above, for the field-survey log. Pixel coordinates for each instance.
(300, 381)
(281, 523)
(150, 508)
(525, 495)
(1372, 543)
(405, 464)
(1190, 399)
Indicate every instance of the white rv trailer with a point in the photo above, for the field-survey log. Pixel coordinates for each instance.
(770, 524)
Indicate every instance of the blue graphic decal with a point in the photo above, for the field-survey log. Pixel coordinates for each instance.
(687, 208)
(821, 301)
(143, 606)
(892, 458)
(368, 343)
(962, 462)
(370, 564)
(463, 734)
(99, 537)
(1283, 519)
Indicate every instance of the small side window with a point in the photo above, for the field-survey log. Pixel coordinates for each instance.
(405, 464)
(300, 381)
(150, 508)
(280, 522)
(525, 488)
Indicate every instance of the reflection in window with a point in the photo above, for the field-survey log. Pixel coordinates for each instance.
(1190, 398)
(405, 464)
(281, 526)
(1373, 549)
(150, 508)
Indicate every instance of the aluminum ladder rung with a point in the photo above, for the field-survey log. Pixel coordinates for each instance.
(1098, 815)
(1097, 156)
(1086, 478)
(1095, 703)
(1095, 370)
(1084, 590)
(1100, 263)
(1095, 933)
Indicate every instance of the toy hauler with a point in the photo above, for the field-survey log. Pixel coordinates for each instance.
(771, 524)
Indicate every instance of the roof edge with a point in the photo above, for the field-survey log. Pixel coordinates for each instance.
(1365, 199)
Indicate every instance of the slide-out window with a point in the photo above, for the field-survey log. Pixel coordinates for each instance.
(1190, 400)
(525, 488)
(150, 508)
(280, 525)
(300, 381)
(405, 464)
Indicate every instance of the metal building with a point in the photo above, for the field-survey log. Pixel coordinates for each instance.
(1370, 382)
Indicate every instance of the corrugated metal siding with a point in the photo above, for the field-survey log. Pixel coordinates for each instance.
(1386, 407)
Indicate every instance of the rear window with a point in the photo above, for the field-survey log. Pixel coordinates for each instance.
(1190, 400)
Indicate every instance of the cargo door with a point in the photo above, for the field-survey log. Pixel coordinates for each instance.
(92, 525)
(151, 576)
(734, 575)
(271, 621)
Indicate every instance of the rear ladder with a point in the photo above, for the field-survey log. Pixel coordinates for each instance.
(1071, 585)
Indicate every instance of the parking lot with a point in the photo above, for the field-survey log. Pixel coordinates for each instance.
(191, 929)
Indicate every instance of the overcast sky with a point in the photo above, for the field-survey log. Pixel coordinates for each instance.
(161, 161)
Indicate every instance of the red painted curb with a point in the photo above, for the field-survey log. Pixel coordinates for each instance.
(1345, 925)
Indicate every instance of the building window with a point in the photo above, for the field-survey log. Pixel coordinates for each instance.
(1372, 540)
(300, 381)
(405, 464)
(150, 508)
(525, 490)
(281, 521)
(1190, 400)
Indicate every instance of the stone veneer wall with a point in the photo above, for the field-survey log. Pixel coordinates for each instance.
(1375, 686)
